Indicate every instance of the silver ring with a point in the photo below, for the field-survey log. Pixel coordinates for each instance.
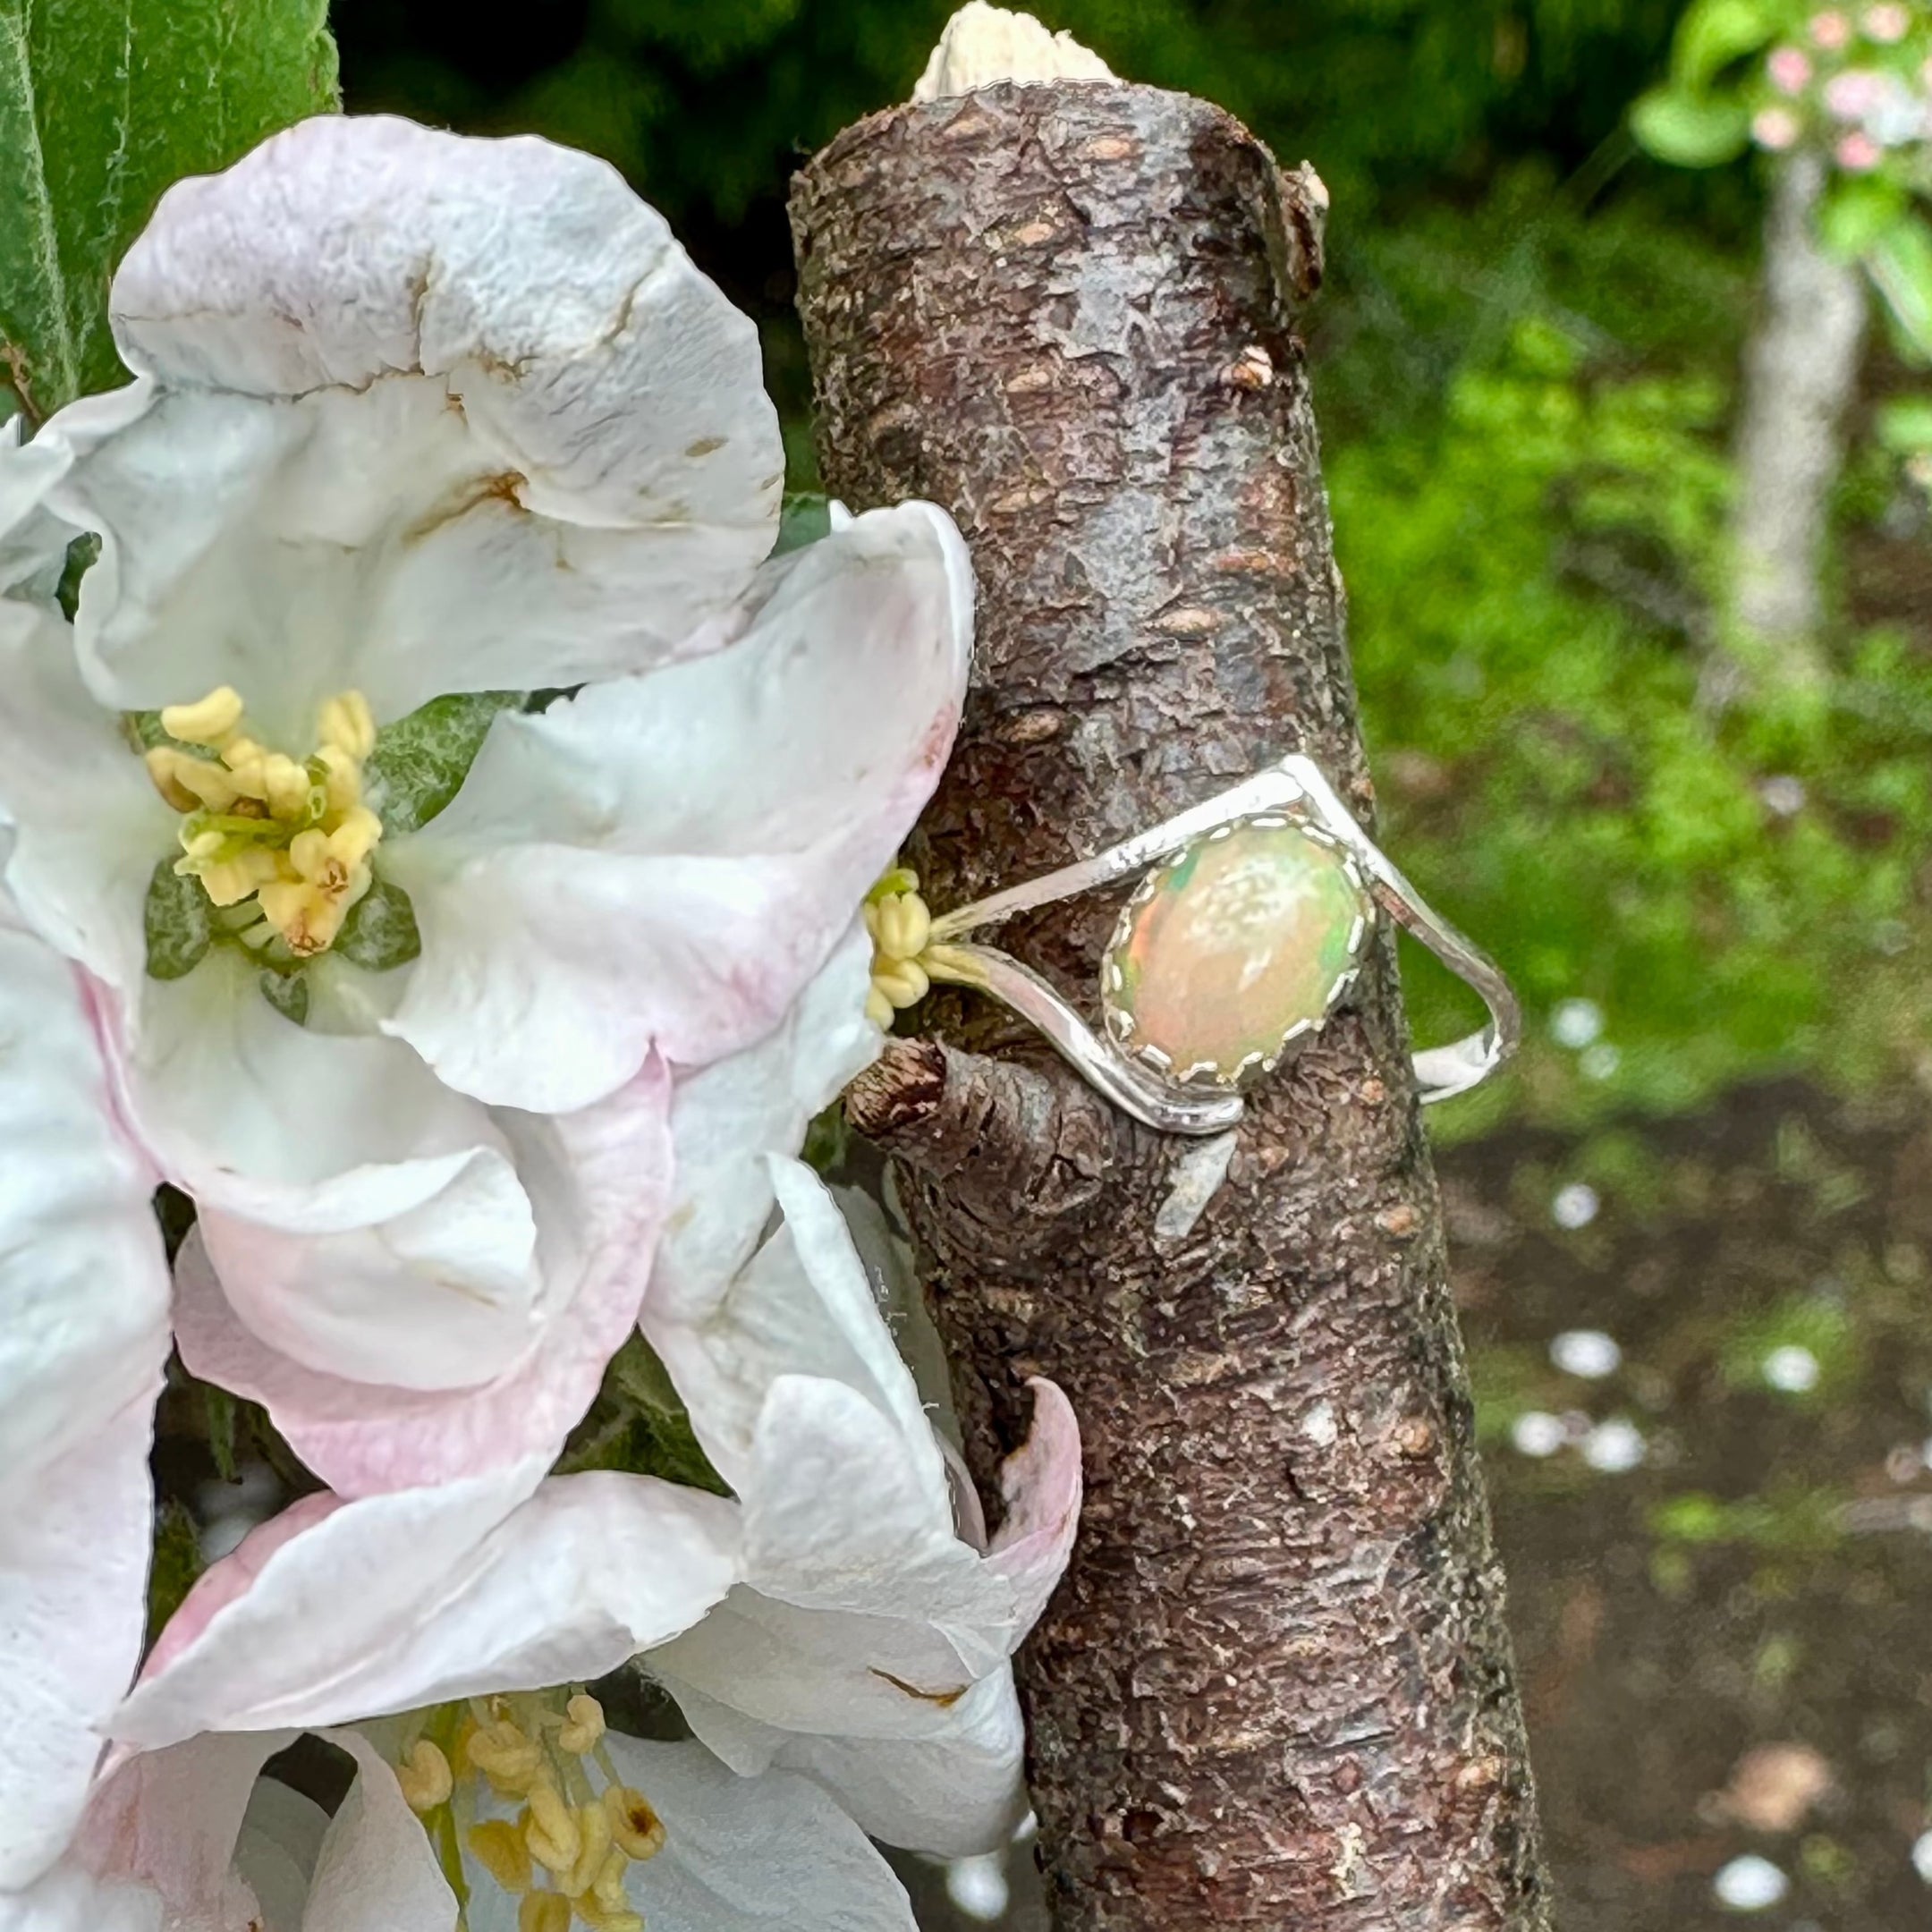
(1280, 843)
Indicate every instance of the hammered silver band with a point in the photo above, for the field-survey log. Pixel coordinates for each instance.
(1142, 1082)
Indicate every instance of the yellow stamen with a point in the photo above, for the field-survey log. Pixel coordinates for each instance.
(304, 851)
(239, 752)
(499, 1849)
(425, 1778)
(902, 982)
(344, 779)
(583, 1726)
(206, 723)
(609, 1890)
(204, 781)
(552, 1833)
(346, 721)
(635, 1828)
(543, 1911)
(160, 763)
(594, 1832)
(356, 837)
(284, 787)
(230, 882)
(901, 926)
(510, 1760)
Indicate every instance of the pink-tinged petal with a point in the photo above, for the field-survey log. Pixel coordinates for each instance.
(667, 860)
(74, 1540)
(477, 1586)
(531, 446)
(1040, 1485)
(766, 1854)
(83, 1335)
(377, 1871)
(729, 1115)
(168, 1822)
(446, 1295)
(600, 1180)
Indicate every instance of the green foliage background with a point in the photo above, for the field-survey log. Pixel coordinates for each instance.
(102, 103)
(1526, 364)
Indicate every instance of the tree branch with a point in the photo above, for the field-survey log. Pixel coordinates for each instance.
(1275, 1689)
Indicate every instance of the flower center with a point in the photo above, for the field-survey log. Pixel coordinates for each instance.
(280, 846)
(565, 1852)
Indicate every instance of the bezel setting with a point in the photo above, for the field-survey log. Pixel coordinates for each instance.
(1209, 1074)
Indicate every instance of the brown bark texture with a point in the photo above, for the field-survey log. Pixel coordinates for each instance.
(1275, 1689)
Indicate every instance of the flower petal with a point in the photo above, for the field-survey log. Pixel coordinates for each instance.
(801, 1306)
(83, 1335)
(89, 827)
(764, 1854)
(956, 1790)
(168, 1822)
(74, 1540)
(574, 415)
(281, 1838)
(727, 1117)
(275, 1123)
(1040, 1484)
(600, 1181)
(428, 1595)
(377, 1871)
(668, 859)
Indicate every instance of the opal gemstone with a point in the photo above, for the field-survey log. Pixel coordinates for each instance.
(1242, 940)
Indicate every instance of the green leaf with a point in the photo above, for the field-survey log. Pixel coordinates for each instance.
(639, 1423)
(1688, 131)
(177, 1564)
(380, 932)
(1856, 213)
(1715, 33)
(1905, 425)
(420, 762)
(1900, 263)
(102, 103)
(219, 1409)
(179, 923)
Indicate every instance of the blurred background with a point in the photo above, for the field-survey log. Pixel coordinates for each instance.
(1629, 463)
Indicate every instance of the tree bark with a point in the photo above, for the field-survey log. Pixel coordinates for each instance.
(1275, 1689)
(1800, 370)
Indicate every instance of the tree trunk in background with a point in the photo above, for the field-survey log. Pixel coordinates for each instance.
(1800, 369)
(1276, 1690)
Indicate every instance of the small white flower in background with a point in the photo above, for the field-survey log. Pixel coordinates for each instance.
(1614, 1447)
(1588, 1352)
(1601, 1062)
(1791, 1369)
(1751, 1884)
(1538, 1434)
(1921, 1856)
(1576, 1022)
(1575, 1206)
